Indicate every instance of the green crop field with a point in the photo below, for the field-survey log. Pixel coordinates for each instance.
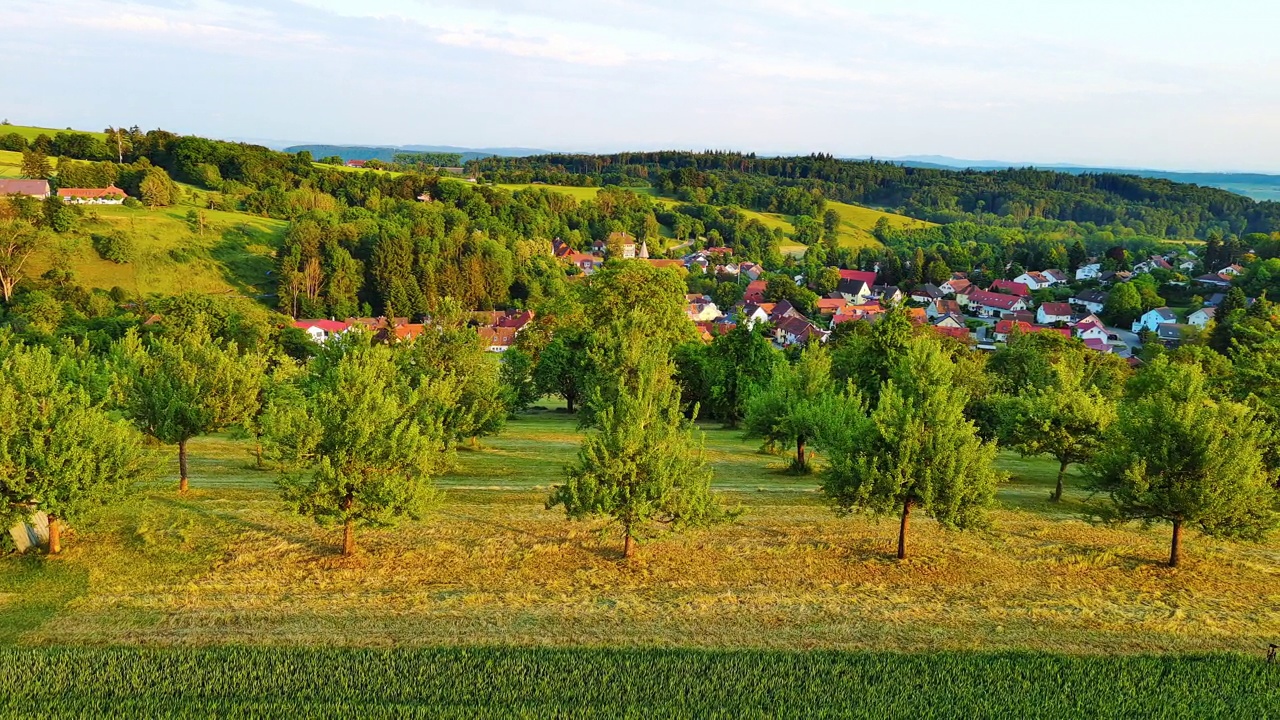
(230, 564)
(630, 683)
(235, 253)
(31, 133)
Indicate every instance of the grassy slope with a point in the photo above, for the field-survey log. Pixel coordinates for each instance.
(31, 133)
(855, 229)
(235, 254)
(230, 565)
(11, 164)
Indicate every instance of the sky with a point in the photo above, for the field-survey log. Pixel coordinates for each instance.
(1167, 84)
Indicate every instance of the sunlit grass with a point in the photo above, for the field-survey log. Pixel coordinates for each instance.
(231, 564)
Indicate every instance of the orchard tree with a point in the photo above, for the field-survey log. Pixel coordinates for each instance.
(463, 379)
(917, 449)
(1065, 419)
(563, 366)
(743, 360)
(157, 188)
(784, 411)
(644, 463)
(59, 451)
(188, 385)
(360, 440)
(1176, 454)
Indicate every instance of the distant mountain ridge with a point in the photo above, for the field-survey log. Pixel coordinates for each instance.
(386, 153)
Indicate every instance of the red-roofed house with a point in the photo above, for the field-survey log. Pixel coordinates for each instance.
(1010, 287)
(1054, 312)
(30, 188)
(497, 339)
(321, 330)
(356, 163)
(755, 291)
(856, 282)
(990, 304)
(1098, 345)
(93, 196)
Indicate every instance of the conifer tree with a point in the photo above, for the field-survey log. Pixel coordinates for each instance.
(59, 451)
(358, 440)
(1178, 455)
(187, 386)
(643, 464)
(916, 450)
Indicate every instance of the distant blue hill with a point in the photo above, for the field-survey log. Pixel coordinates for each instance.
(386, 153)
(1258, 186)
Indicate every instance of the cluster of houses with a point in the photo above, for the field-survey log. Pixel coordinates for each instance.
(40, 190)
(497, 329)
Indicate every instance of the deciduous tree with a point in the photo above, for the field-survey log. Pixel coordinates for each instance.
(643, 463)
(1177, 455)
(19, 240)
(186, 386)
(785, 410)
(360, 441)
(60, 452)
(916, 451)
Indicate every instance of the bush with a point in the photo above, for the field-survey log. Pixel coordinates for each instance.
(181, 256)
(115, 247)
(132, 202)
(13, 142)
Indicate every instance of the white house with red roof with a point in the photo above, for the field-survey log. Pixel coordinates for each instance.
(322, 330)
(1054, 312)
(110, 195)
(989, 304)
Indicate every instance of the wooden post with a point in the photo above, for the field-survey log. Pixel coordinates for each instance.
(55, 535)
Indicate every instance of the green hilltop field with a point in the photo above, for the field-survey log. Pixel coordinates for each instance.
(31, 133)
(855, 229)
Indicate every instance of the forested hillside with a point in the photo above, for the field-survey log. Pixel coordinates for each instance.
(1146, 206)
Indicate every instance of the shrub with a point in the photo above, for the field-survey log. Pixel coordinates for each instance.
(181, 256)
(115, 247)
(132, 202)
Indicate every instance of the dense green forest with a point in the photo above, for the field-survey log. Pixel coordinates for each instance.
(1148, 206)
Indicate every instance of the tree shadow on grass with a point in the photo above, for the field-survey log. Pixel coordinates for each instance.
(41, 587)
(247, 271)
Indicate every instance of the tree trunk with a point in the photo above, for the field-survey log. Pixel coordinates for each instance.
(55, 535)
(568, 401)
(348, 527)
(1057, 492)
(349, 538)
(257, 453)
(1175, 551)
(902, 530)
(800, 459)
(182, 466)
(628, 545)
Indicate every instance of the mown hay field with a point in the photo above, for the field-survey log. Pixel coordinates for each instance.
(229, 564)
(623, 683)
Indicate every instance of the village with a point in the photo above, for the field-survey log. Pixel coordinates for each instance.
(983, 318)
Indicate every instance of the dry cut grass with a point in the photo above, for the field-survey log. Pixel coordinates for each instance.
(491, 566)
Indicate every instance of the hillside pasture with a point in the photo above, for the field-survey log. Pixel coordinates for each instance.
(230, 564)
(31, 133)
(235, 253)
(11, 164)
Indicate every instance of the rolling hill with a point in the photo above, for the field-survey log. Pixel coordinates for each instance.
(386, 153)
(31, 133)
